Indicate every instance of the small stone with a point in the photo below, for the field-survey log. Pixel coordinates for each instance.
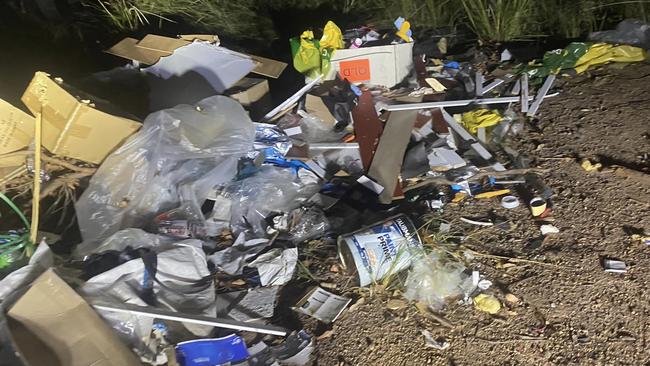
(512, 298)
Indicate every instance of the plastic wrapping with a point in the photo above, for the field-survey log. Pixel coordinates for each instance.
(308, 223)
(630, 31)
(315, 130)
(194, 146)
(272, 189)
(178, 284)
(434, 281)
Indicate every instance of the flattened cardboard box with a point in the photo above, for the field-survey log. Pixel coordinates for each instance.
(152, 47)
(16, 133)
(72, 128)
(54, 326)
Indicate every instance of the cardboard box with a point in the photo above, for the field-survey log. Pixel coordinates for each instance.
(53, 326)
(253, 94)
(152, 47)
(248, 90)
(74, 128)
(16, 133)
(379, 65)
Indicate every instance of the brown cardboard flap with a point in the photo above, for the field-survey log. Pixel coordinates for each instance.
(128, 48)
(16, 128)
(387, 161)
(268, 67)
(161, 44)
(68, 326)
(248, 90)
(315, 105)
(72, 128)
(152, 47)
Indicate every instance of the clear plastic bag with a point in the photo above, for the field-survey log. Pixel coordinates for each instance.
(272, 189)
(194, 146)
(315, 130)
(434, 281)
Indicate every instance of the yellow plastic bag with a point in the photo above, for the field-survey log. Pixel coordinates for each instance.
(332, 37)
(307, 57)
(602, 53)
(480, 118)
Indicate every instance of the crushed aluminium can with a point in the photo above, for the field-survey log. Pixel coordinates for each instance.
(380, 249)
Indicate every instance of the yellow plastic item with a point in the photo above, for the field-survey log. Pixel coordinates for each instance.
(602, 53)
(308, 56)
(480, 118)
(332, 37)
(588, 166)
(500, 192)
(487, 303)
(403, 30)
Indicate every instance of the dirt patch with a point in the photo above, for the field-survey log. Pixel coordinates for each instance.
(570, 311)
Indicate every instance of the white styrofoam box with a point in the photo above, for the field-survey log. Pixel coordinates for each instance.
(379, 65)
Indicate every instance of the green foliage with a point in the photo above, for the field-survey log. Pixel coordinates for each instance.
(568, 18)
(234, 19)
(500, 20)
(425, 14)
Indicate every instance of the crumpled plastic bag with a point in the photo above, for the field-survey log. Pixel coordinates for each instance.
(480, 118)
(434, 282)
(271, 189)
(633, 32)
(312, 57)
(233, 259)
(306, 53)
(194, 146)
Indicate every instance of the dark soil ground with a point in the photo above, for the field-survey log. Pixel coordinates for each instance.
(570, 311)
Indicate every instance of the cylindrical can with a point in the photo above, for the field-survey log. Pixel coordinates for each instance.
(380, 249)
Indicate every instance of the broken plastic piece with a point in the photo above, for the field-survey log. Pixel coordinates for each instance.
(614, 266)
(487, 303)
(215, 351)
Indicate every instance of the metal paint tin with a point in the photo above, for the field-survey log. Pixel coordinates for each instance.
(379, 249)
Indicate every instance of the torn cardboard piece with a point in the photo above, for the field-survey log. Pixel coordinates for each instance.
(153, 47)
(322, 305)
(314, 105)
(70, 329)
(387, 161)
(73, 128)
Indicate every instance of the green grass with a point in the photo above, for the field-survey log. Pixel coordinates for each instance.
(234, 19)
(500, 20)
(425, 14)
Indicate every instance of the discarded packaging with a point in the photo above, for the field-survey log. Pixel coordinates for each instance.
(66, 332)
(322, 305)
(435, 282)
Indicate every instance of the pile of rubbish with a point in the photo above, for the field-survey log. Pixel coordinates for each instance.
(200, 224)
